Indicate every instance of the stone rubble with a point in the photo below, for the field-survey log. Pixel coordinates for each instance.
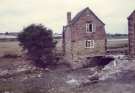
(111, 71)
(120, 64)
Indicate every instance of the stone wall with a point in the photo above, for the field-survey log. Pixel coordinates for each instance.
(131, 34)
(79, 50)
(79, 35)
(75, 37)
(67, 44)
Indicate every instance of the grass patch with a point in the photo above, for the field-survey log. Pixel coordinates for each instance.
(10, 47)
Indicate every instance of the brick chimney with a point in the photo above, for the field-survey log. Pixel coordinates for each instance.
(68, 17)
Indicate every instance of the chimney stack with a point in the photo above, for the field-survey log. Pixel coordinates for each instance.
(68, 17)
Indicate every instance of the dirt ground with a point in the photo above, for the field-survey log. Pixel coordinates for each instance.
(10, 47)
(19, 76)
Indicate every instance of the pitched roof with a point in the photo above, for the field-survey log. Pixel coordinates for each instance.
(131, 14)
(81, 13)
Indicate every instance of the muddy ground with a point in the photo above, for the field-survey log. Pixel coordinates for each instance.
(19, 76)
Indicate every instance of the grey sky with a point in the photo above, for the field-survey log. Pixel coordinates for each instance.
(16, 14)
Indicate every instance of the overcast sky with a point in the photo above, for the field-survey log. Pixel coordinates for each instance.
(17, 14)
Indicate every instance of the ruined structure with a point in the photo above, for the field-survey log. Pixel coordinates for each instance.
(131, 34)
(83, 37)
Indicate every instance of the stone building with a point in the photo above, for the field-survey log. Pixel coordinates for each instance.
(83, 37)
(131, 34)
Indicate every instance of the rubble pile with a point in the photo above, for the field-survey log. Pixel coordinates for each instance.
(15, 69)
(116, 67)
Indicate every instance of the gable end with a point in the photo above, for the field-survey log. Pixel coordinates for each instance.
(76, 18)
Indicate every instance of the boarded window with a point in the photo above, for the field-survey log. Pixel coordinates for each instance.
(89, 27)
(90, 44)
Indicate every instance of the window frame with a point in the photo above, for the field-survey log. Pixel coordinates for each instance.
(91, 43)
(87, 30)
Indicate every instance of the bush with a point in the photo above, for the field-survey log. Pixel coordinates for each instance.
(38, 43)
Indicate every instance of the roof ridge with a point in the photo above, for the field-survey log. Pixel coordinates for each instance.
(78, 15)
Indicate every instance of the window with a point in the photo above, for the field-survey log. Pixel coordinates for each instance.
(89, 27)
(90, 43)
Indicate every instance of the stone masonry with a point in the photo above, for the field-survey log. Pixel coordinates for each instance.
(75, 37)
(131, 34)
